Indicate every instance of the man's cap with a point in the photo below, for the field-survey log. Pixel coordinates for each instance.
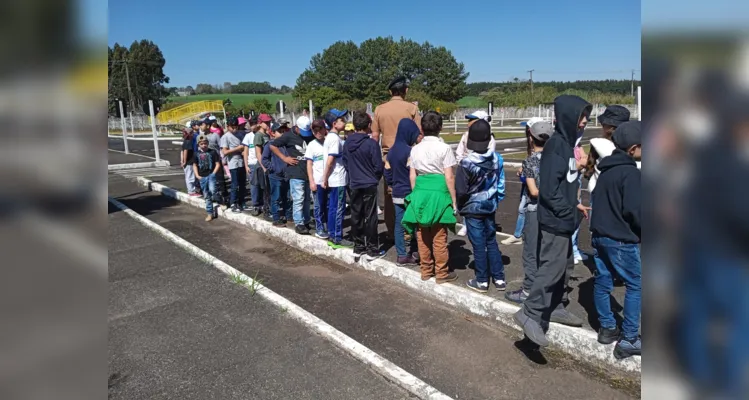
(614, 115)
(264, 118)
(303, 123)
(400, 80)
(233, 121)
(332, 115)
(627, 134)
(531, 121)
(202, 138)
(479, 136)
(480, 114)
(542, 130)
(349, 126)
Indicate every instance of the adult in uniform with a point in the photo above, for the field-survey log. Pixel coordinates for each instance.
(385, 122)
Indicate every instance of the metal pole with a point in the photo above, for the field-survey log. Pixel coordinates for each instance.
(539, 110)
(153, 129)
(455, 122)
(639, 103)
(132, 127)
(311, 111)
(124, 127)
(502, 117)
(281, 107)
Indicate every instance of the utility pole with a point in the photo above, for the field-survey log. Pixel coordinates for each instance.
(632, 90)
(532, 96)
(129, 91)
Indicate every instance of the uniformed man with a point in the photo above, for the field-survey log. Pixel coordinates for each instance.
(387, 116)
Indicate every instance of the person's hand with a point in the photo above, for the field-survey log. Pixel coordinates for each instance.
(390, 190)
(312, 186)
(182, 164)
(198, 177)
(582, 162)
(520, 171)
(455, 209)
(583, 209)
(291, 161)
(325, 184)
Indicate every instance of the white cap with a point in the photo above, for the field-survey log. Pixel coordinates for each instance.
(189, 124)
(303, 123)
(212, 117)
(480, 114)
(603, 147)
(532, 121)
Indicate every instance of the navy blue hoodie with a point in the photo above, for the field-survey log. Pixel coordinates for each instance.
(398, 176)
(557, 197)
(363, 161)
(275, 166)
(617, 199)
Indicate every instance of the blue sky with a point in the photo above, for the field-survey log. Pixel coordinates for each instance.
(496, 40)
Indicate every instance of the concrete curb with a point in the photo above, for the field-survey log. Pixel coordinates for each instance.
(119, 167)
(144, 139)
(580, 343)
(379, 364)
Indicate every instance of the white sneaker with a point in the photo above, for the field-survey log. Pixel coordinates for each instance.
(379, 212)
(463, 231)
(512, 240)
(578, 260)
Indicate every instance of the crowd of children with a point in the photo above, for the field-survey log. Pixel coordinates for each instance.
(332, 162)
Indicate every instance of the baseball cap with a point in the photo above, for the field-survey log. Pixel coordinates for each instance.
(282, 121)
(479, 136)
(531, 121)
(627, 135)
(206, 121)
(189, 124)
(212, 117)
(303, 123)
(202, 138)
(480, 114)
(242, 120)
(349, 126)
(264, 118)
(542, 130)
(332, 115)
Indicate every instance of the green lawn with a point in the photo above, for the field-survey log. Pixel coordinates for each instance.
(472, 102)
(235, 98)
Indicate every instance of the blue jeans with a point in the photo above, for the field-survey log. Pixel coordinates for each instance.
(521, 212)
(256, 190)
(575, 249)
(336, 208)
(238, 185)
(321, 209)
(208, 185)
(300, 194)
(482, 232)
(624, 260)
(280, 198)
(400, 232)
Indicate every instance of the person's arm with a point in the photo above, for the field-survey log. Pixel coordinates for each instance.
(265, 160)
(237, 149)
(259, 155)
(183, 158)
(377, 161)
(412, 177)
(501, 178)
(311, 176)
(388, 173)
(553, 172)
(632, 202)
(218, 166)
(333, 148)
(460, 151)
(376, 127)
(195, 170)
(287, 159)
(450, 179)
(532, 188)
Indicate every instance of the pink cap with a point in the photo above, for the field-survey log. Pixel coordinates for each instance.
(241, 120)
(215, 130)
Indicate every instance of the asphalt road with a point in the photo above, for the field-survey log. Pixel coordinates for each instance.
(190, 332)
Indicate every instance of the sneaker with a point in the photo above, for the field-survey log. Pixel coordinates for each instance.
(463, 231)
(481, 287)
(284, 221)
(578, 259)
(343, 244)
(500, 285)
(406, 260)
(374, 254)
(379, 211)
(224, 207)
(302, 230)
(359, 252)
(512, 240)
(279, 224)
(565, 317)
(451, 277)
(608, 336)
(209, 218)
(194, 194)
(256, 211)
(628, 348)
(322, 235)
(531, 328)
(235, 209)
(517, 296)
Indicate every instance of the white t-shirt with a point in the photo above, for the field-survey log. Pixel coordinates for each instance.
(316, 153)
(333, 146)
(248, 142)
(432, 156)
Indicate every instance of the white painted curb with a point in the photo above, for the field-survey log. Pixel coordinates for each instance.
(580, 343)
(119, 167)
(144, 139)
(382, 366)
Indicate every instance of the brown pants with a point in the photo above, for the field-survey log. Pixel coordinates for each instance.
(433, 251)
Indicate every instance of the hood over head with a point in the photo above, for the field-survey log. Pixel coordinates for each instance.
(567, 110)
(407, 132)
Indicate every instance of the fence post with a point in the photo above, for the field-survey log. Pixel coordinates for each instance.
(455, 123)
(124, 128)
(502, 117)
(639, 103)
(153, 130)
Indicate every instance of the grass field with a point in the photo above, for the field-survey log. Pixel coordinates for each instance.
(472, 102)
(455, 138)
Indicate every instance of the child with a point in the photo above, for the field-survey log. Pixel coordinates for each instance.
(397, 176)
(539, 133)
(477, 187)
(559, 214)
(611, 118)
(232, 149)
(280, 200)
(430, 208)
(186, 160)
(335, 179)
(296, 172)
(363, 161)
(616, 231)
(258, 180)
(315, 155)
(207, 165)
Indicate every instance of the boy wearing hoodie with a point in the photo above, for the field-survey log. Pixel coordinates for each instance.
(363, 161)
(616, 231)
(274, 168)
(479, 187)
(559, 214)
(398, 179)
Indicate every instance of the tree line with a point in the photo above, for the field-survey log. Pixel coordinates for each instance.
(228, 88)
(612, 86)
(522, 94)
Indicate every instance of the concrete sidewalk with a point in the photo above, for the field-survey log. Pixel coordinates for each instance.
(578, 342)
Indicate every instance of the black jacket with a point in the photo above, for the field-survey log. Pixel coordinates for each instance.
(617, 199)
(362, 159)
(557, 198)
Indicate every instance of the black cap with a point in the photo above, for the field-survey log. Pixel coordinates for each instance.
(627, 135)
(614, 116)
(479, 136)
(399, 81)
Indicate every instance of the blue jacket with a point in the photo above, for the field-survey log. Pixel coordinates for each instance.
(398, 175)
(362, 159)
(275, 166)
(480, 184)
